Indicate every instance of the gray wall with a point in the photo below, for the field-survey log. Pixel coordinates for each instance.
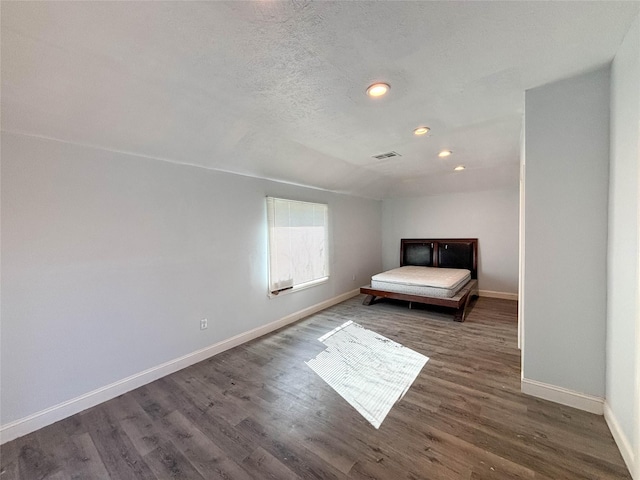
(490, 216)
(109, 261)
(623, 316)
(567, 152)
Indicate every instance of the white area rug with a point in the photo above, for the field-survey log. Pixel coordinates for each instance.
(368, 370)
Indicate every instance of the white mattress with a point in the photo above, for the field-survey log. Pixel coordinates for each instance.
(428, 281)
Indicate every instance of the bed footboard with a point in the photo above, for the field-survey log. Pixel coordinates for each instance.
(459, 302)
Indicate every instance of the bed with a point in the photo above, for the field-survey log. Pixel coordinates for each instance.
(450, 278)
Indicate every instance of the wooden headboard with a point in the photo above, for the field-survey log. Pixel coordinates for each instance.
(440, 252)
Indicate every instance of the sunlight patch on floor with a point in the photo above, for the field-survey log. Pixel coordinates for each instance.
(368, 370)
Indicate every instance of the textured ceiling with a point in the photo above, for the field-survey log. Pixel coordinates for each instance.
(276, 89)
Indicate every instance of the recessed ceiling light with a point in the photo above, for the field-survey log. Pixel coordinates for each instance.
(459, 168)
(378, 89)
(421, 130)
(444, 153)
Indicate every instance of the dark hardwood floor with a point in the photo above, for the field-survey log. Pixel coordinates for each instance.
(258, 411)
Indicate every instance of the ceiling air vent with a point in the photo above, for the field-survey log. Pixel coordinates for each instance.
(382, 156)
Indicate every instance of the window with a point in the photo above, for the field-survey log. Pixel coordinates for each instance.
(298, 243)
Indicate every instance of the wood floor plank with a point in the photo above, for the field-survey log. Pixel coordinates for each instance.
(119, 455)
(85, 461)
(167, 461)
(210, 397)
(208, 458)
(35, 461)
(261, 464)
(9, 458)
(258, 411)
(167, 399)
(291, 453)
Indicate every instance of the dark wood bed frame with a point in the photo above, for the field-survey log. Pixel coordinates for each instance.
(436, 252)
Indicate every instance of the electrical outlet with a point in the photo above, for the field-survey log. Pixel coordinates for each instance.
(204, 323)
(353, 277)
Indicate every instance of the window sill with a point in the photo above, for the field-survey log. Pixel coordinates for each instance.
(297, 288)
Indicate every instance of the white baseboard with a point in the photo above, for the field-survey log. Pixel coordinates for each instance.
(564, 396)
(63, 410)
(503, 295)
(622, 441)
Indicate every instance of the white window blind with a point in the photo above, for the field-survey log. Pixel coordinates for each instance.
(298, 245)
